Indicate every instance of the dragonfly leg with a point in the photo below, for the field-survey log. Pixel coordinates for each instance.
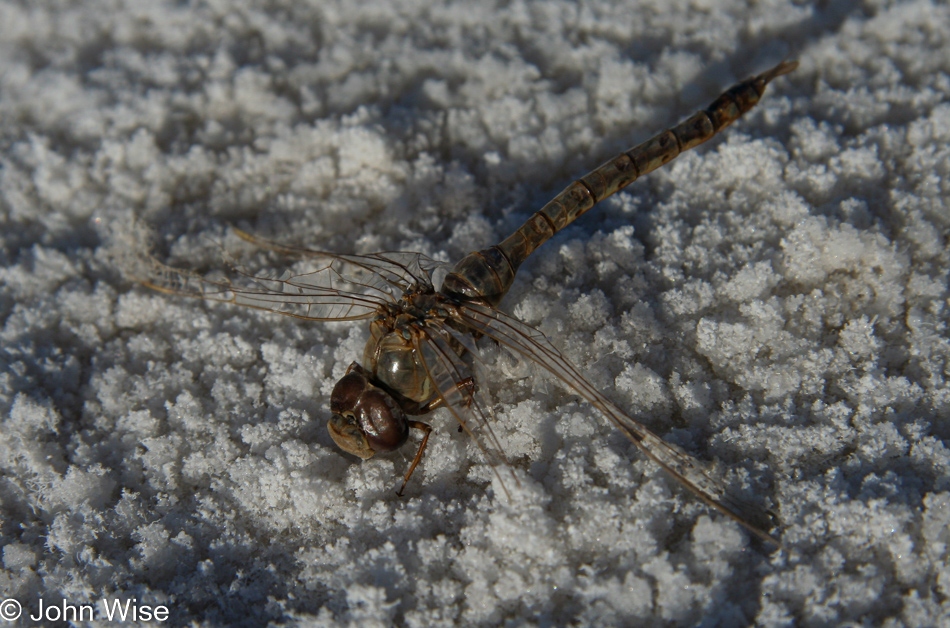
(466, 388)
(425, 427)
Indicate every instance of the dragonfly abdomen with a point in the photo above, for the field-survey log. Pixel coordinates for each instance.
(487, 275)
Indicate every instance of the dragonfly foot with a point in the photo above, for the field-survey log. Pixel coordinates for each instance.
(425, 427)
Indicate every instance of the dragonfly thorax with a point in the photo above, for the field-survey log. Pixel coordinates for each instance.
(391, 355)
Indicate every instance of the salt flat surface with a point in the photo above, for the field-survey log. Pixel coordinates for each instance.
(775, 302)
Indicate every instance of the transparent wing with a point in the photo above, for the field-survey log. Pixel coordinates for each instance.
(531, 343)
(398, 269)
(448, 372)
(340, 288)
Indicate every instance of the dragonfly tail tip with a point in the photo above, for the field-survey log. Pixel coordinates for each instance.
(782, 68)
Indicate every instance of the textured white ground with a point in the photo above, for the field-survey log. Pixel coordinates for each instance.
(775, 302)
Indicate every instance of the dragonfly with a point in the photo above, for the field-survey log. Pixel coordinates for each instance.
(421, 344)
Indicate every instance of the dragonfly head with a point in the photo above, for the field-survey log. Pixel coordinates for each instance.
(366, 419)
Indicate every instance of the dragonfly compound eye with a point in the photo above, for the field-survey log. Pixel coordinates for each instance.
(381, 420)
(347, 391)
(366, 419)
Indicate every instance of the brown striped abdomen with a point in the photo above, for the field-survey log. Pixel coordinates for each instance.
(487, 275)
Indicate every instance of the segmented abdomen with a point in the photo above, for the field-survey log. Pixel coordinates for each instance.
(487, 275)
